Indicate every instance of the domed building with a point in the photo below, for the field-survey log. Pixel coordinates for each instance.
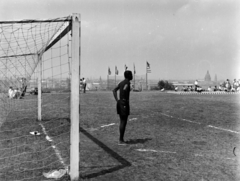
(207, 77)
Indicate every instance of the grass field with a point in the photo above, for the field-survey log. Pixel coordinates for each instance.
(171, 137)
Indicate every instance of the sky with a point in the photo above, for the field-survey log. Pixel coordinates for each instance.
(181, 39)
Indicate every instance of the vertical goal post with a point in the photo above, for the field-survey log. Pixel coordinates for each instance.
(75, 107)
(28, 56)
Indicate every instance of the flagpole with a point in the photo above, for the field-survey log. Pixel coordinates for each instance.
(134, 81)
(108, 82)
(146, 78)
(134, 76)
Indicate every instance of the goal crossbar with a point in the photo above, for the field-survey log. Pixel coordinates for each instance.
(38, 21)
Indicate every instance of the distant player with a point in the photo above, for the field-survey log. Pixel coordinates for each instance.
(123, 108)
(24, 87)
(80, 84)
(84, 84)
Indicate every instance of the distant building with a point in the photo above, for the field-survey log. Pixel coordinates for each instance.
(207, 77)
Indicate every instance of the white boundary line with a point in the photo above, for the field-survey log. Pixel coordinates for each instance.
(108, 125)
(210, 126)
(57, 152)
(172, 152)
(200, 93)
(156, 151)
(223, 129)
(180, 118)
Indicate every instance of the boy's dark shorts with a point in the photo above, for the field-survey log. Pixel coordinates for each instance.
(123, 107)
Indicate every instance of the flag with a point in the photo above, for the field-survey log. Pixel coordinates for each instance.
(148, 68)
(134, 70)
(116, 70)
(109, 71)
(125, 67)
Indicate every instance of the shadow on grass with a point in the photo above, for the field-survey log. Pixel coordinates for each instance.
(136, 141)
(124, 162)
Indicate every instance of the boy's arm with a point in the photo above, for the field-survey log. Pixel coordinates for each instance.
(115, 93)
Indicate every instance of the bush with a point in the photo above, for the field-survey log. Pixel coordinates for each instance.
(166, 85)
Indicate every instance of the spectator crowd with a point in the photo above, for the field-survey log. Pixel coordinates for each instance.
(226, 86)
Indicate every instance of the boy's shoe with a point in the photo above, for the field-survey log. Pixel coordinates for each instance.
(123, 143)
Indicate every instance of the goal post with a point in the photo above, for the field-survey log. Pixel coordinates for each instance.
(39, 56)
(43, 55)
(75, 107)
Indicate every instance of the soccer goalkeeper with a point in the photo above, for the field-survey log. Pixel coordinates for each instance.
(123, 108)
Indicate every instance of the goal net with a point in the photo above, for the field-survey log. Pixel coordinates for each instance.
(36, 86)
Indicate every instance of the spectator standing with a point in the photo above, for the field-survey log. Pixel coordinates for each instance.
(196, 84)
(81, 84)
(84, 85)
(235, 85)
(227, 85)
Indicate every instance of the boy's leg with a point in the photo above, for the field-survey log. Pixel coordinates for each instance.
(122, 127)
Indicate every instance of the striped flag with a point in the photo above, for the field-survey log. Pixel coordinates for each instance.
(109, 71)
(116, 70)
(134, 70)
(148, 68)
(125, 67)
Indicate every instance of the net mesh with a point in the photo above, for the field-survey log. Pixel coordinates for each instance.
(30, 148)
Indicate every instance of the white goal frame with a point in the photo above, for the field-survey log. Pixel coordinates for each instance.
(75, 28)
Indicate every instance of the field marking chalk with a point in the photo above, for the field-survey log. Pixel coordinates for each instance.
(182, 119)
(107, 125)
(189, 121)
(223, 129)
(57, 152)
(156, 151)
(132, 119)
(198, 155)
(207, 156)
